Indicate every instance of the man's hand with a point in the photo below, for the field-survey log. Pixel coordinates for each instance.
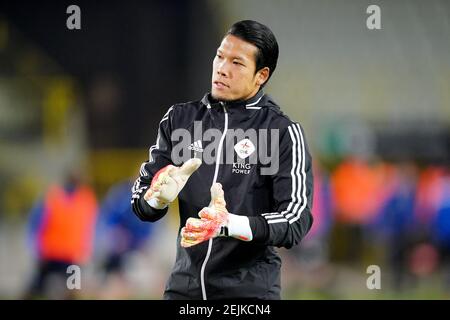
(168, 182)
(215, 220)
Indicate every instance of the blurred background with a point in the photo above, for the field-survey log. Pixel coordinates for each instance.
(80, 108)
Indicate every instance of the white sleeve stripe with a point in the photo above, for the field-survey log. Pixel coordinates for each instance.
(294, 168)
(156, 146)
(295, 153)
(298, 181)
(293, 181)
(137, 189)
(269, 213)
(294, 211)
(273, 216)
(296, 160)
(136, 184)
(143, 171)
(304, 199)
(277, 221)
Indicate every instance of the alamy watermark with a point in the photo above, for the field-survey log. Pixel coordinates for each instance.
(74, 279)
(374, 280)
(239, 148)
(373, 21)
(74, 20)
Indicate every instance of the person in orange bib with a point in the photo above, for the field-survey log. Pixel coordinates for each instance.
(61, 231)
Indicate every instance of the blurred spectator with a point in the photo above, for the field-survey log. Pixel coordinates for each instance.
(357, 192)
(440, 227)
(429, 195)
(396, 222)
(314, 249)
(120, 233)
(312, 257)
(61, 230)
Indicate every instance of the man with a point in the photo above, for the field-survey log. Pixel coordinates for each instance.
(235, 209)
(61, 231)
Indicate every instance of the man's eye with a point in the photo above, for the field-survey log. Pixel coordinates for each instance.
(219, 56)
(238, 63)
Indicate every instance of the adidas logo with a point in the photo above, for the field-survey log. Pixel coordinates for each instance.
(196, 146)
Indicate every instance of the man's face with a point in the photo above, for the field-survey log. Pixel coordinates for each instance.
(234, 67)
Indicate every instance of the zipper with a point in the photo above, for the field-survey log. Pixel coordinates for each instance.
(216, 171)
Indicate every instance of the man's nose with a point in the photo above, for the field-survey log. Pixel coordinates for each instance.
(222, 69)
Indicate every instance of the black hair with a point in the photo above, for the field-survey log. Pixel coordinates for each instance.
(262, 37)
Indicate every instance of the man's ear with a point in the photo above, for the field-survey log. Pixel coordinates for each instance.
(262, 75)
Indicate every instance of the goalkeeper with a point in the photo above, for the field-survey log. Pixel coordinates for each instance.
(232, 214)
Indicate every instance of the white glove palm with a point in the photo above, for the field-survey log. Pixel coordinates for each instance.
(168, 182)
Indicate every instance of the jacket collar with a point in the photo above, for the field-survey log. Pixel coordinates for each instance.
(249, 104)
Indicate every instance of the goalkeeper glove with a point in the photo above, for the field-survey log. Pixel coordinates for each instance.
(215, 221)
(168, 182)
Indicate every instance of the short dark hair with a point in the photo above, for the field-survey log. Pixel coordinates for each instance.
(262, 37)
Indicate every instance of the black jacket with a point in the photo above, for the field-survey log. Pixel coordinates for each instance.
(277, 201)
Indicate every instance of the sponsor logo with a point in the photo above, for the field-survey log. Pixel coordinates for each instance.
(196, 146)
(241, 168)
(244, 148)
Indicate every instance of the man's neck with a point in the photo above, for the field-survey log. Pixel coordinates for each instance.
(238, 101)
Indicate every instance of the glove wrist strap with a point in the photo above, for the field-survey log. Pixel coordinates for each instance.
(156, 204)
(237, 227)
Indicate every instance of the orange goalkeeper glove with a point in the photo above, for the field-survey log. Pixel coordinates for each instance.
(215, 221)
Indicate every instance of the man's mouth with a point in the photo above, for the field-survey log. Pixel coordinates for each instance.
(220, 85)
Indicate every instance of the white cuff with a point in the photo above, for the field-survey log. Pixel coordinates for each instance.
(156, 204)
(239, 227)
